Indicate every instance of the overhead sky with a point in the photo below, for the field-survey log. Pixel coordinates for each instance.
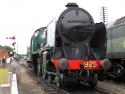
(22, 17)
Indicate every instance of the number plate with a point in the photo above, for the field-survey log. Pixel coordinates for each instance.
(90, 64)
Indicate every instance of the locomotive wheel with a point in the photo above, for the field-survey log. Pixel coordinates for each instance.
(34, 67)
(60, 80)
(50, 78)
(92, 83)
(44, 73)
(39, 69)
(101, 75)
(116, 72)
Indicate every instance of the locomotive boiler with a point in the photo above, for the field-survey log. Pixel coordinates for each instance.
(70, 49)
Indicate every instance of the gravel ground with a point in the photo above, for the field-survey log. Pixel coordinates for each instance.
(112, 88)
(28, 85)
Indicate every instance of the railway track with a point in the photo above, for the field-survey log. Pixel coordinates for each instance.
(51, 88)
(45, 85)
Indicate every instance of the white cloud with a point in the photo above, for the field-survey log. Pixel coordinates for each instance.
(22, 17)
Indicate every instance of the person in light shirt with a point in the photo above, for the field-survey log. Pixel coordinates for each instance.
(14, 67)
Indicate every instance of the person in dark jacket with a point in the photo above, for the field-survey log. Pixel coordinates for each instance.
(3, 62)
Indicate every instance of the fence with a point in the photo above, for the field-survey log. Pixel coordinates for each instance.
(11, 87)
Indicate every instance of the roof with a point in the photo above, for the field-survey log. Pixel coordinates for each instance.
(117, 22)
(120, 21)
(1, 46)
(110, 24)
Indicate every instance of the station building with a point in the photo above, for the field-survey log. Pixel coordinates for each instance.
(3, 54)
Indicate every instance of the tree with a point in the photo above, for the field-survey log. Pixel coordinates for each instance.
(8, 48)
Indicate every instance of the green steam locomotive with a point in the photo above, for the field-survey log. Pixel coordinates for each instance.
(70, 49)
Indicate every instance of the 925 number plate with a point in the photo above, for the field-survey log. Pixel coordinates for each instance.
(90, 64)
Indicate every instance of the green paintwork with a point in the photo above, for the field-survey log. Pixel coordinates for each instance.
(38, 38)
(116, 45)
(116, 40)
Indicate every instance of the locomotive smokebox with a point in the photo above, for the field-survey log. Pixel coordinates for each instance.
(75, 24)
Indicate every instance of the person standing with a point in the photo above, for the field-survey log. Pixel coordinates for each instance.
(0, 63)
(14, 67)
(3, 62)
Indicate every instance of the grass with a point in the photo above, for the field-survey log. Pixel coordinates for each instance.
(3, 75)
(21, 92)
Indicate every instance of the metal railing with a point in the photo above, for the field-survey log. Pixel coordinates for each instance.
(11, 87)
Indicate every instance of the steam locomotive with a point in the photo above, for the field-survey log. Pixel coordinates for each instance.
(70, 49)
